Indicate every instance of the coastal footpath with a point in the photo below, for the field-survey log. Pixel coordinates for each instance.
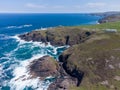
(92, 62)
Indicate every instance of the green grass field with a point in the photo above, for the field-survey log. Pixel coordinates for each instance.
(110, 25)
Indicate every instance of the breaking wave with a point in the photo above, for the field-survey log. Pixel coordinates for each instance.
(15, 64)
(19, 27)
(4, 37)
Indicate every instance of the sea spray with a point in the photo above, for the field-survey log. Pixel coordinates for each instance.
(20, 76)
(22, 79)
(19, 27)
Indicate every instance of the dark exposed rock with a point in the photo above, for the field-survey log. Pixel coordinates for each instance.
(33, 36)
(44, 67)
(87, 33)
(74, 73)
(63, 58)
(67, 39)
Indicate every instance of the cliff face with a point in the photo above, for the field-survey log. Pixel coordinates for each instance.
(91, 63)
(59, 36)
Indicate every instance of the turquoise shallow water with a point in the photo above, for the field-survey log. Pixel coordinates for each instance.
(16, 54)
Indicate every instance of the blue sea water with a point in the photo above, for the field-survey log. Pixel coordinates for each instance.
(16, 54)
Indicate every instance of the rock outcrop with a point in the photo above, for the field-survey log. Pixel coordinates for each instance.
(59, 36)
(44, 67)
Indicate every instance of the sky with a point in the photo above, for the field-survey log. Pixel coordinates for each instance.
(58, 6)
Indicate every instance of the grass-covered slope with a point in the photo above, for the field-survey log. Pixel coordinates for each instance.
(99, 60)
(109, 25)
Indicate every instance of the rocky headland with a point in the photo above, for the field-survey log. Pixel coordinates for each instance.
(108, 17)
(91, 63)
(59, 36)
(105, 14)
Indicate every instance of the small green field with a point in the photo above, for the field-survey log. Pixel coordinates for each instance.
(110, 25)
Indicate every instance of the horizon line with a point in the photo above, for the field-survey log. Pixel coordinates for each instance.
(54, 12)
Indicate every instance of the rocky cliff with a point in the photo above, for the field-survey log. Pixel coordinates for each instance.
(91, 63)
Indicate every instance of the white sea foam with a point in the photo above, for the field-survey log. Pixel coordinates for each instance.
(4, 37)
(18, 39)
(2, 75)
(22, 79)
(43, 28)
(18, 27)
(4, 58)
(39, 44)
(0, 69)
(34, 43)
(9, 27)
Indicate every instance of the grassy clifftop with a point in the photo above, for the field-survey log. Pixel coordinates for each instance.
(99, 27)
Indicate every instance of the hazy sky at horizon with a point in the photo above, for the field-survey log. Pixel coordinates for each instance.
(58, 6)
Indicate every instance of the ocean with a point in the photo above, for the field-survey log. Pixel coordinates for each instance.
(16, 54)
